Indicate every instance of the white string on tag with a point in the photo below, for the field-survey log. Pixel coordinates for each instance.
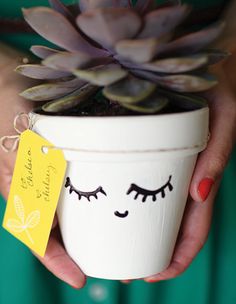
(18, 120)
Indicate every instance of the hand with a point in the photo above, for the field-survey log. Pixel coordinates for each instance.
(206, 178)
(56, 259)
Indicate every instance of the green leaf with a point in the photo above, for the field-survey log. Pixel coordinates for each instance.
(129, 90)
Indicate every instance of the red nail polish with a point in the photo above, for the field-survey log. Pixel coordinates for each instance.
(152, 281)
(204, 188)
(75, 287)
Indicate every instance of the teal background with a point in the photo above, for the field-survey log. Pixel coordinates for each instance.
(209, 280)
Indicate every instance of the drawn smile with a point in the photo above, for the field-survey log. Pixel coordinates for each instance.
(117, 213)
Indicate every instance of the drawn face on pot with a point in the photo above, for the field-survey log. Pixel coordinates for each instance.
(137, 191)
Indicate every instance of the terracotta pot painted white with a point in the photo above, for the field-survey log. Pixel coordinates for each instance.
(132, 175)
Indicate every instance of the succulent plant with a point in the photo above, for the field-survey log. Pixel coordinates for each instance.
(134, 54)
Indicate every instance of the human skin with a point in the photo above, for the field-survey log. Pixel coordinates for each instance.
(211, 163)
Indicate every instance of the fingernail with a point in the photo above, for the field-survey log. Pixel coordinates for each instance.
(75, 287)
(204, 188)
(152, 280)
(125, 281)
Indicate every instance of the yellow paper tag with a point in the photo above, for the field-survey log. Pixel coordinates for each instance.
(35, 191)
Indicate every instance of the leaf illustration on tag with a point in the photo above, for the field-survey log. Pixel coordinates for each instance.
(32, 219)
(19, 208)
(15, 225)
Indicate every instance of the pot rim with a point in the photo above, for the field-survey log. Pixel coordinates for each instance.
(125, 137)
(125, 117)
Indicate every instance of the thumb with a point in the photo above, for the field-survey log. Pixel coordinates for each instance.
(211, 162)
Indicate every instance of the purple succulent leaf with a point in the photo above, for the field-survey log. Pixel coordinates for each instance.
(37, 71)
(151, 76)
(74, 9)
(215, 56)
(114, 24)
(86, 5)
(168, 3)
(193, 42)
(102, 76)
(129, 90)
(143, 6)
(61, 8)
(160, 22)
(124, 3)
(70, 101)
(178, 64)
(100, 61)
(180, 82)
(188, 83)
(127, 63)
(70, 61)
(57, 29)
(174, 65)
(43, 51)
(184, 101)
(66, 61)
(51, 91)
(152, 104)
(138, 50)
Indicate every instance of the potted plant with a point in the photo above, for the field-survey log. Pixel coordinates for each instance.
(118, 99)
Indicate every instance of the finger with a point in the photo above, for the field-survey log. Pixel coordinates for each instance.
(126, 281)
(55, 221)
(212, 161)
(7, 163)
(60, 264)
(193, 235)
(5, 186)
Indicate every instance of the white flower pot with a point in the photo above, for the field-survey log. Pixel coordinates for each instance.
(117, 235)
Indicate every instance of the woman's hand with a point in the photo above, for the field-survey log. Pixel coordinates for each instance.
(56, 259)
(207, 174)
(211, 162)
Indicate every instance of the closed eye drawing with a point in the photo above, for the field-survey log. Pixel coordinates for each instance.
(81, 194)
(152, 193)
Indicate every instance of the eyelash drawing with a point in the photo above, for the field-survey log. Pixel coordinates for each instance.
(146, 193)
(83, 194)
